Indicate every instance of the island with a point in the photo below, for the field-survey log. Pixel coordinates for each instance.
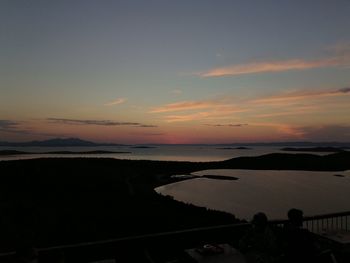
(314, 149)
(234, 148)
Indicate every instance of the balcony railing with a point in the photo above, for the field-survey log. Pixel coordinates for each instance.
(175, 241)
(321, 223)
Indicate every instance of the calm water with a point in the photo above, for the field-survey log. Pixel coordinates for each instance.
(272, 192)
(197, 153)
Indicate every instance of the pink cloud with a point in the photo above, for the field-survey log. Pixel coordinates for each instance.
(190, 105)
(215, 114)
(340, 56)
(298, 96)
(285, 129)
(271, 66)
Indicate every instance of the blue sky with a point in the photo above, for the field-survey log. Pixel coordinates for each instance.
(149, 62)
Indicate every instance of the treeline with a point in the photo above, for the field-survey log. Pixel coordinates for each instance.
(57, 201)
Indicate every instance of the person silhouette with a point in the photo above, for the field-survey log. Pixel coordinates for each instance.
(299, 244)
(259, 243)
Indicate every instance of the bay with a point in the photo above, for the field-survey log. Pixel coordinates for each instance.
(271, 192)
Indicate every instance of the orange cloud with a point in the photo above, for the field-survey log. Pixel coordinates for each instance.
(339, 56)
(298, 103)
(199, 110)
(185, 105)
(216, 114)
(297, 96)
(286, 129)
(190, 105)
(271, 66)
(187, 117)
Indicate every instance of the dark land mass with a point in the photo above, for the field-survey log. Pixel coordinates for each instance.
(314, 149)
(56, 201)
(83, 152)
(285, 161)
(219, 177)
(15, 152)
(339, 175)
(235, 148)
(210, 176)
(143, 147)
(295, 144)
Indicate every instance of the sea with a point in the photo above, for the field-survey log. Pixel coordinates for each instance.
(193, 153)
(271, 192)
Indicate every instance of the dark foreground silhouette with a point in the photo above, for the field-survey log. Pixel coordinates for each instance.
(315, 149)
(55, 201)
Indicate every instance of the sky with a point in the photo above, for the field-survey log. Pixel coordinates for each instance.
(184, 71)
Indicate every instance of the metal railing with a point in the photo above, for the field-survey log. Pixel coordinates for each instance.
(123, 248)
(89, 251)
(321, 223)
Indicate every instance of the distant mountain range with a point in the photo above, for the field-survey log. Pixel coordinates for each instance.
(76, 142)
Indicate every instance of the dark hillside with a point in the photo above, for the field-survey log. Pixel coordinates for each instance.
(67, 200)
(63, 201)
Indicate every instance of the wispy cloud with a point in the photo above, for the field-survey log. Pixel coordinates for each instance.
(92, 122)
(298, 96)
(8, 125)
(228, 125)
(186, 117)
(185, 105)
(283, 128)
(147, 126)
(98, 122)
(222, 104)
(15, 127)
(214, 114)
(280, 112)
(216, 109)
(270, 66)
(340, 57)
(116, 102)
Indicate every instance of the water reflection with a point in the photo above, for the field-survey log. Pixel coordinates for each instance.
(273, 192)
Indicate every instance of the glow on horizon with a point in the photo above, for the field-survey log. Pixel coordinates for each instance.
(175, 72)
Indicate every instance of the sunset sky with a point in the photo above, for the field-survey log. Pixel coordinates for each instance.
(175, 71)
